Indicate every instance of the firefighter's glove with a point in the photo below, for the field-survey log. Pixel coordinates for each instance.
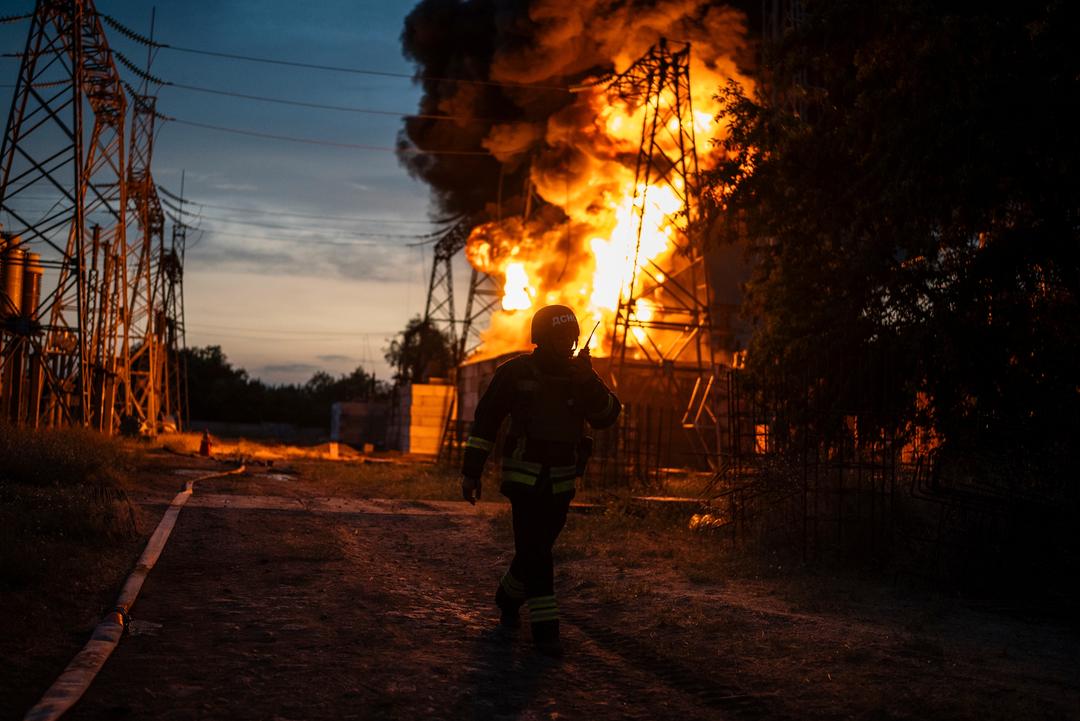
(470, 489)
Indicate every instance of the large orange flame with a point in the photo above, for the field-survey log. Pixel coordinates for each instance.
(588, 260)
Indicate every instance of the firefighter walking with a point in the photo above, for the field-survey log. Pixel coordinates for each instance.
(549, 394)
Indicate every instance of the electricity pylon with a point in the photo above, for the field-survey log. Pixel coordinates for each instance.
(147, 326)
(174, 377)
(64, 138)
(439, 309)
(662, 335)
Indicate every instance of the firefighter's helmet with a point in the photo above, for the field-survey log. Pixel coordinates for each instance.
(554, 321)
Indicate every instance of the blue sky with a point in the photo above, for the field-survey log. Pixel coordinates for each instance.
(284, 295)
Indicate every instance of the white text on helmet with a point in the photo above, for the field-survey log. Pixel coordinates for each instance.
(560, 319)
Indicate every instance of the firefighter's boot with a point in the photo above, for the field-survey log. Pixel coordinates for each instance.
(544, 620)
(509, 597)
(545, 636)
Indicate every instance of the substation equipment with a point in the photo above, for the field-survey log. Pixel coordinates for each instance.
(91, 323)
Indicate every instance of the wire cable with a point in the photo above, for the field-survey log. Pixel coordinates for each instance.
(323, 106)
(132, 35)
(304, 241)
(327, 143)
(342, 218)
(309, 228)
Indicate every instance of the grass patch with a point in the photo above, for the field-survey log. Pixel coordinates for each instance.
(631, 538)
(57, 488)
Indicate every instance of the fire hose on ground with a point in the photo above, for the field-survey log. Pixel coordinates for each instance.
(80, 673)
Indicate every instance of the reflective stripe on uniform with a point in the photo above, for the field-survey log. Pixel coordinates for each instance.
(513, 587)
(543, 608)
(480, 443)
(562, 478)
(521, 471)
(519, 477)
(562, 486)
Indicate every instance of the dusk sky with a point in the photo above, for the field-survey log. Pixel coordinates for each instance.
(300, 261)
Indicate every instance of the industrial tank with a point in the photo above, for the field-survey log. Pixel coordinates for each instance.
(11, 279)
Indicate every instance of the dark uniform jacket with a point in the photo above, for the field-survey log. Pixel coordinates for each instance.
(549, 400)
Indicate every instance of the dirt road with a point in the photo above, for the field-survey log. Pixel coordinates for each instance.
(298, 596)
(290, 607)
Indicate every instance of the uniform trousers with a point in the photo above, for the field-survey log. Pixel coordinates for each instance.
(539, 517)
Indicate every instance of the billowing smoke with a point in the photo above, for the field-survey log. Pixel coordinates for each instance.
(547, 173)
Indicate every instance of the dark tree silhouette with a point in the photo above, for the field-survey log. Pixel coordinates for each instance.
(907, 178)
(220, 392)
(420, 352)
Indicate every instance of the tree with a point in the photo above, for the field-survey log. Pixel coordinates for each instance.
(220, 392)
(421, 352)
(912, 204)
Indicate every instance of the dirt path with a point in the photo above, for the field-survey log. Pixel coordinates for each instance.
(284, 596)
(363, 610)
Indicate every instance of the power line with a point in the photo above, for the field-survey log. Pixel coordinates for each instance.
(301, 240)
(365, 71)
(310, 229)
(323, 106)
(132, 35)
(317, 216)
(329, 143)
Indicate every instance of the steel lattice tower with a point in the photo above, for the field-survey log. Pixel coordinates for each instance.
(146, 327)
(64, 359)
(485, 296)
(662, 336)
(439, 309)
(482, 300)
(174, 377)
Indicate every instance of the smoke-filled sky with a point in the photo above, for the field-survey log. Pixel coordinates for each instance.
(564, 148)
(302, 258)
(272, 289)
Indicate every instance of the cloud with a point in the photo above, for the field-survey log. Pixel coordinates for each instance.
(235, 187)
(258, 260)
(290, 368)
(317, 258)
(336, 358)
